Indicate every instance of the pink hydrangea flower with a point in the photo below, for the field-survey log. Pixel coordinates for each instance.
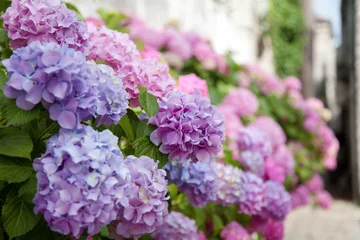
(234, 231)
(300, 197)
(323, 199)
(274, 171)
(150, 52)
(188, 83)
(285, 159)
(232, 121)
(292, 84)
(242, 101)
(97, 22)
(315, 184)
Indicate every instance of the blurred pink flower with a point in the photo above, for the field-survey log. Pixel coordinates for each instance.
(315, 184)
(323, 199)
(242, 101)
(150, 52)
(188, 83)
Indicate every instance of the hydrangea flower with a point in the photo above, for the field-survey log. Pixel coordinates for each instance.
(234, 231)
(323, 199)
(255, 140)
(27, 21)
(188, 127)
(292, 84)
(188, 83)
(111, 97)
(81, 178)
(197, 180)
(242, 101)
(272, 128)
(232, 121)
(149, 53)
(315, 184)
(175, 42)
(274, 230)
(274, 171)
(284, 158)
(300, 197)
(253, 162)
(251, 201)
(55, 75)
(231, 182)
(176, 226)
(147, 205)
(277, 202)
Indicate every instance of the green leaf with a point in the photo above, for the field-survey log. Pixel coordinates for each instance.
(129, 124)
(2, 185)
(200, 218)
(15, 143)
(17, 116)
(28, 190)
(217, 224)
(3, 78)
(144, 147)
(6, 53)
(72, 7)
(15, 170)
(3, 36)
(18, 215)
(2, 106)
(41, 232)
(104, 232)
(144, 129)
(148, 102)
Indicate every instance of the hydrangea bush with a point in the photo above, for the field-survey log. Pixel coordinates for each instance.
(108, 130)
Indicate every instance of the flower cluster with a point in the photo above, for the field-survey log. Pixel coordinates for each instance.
(197, 180)
(59, 78)
(176, 226)
(234, 231)
(146, 206)
(252, 200)
(117, 50)
(242, 101)
(27, 21)
(188, 83)
(80, 178)
(188, 127)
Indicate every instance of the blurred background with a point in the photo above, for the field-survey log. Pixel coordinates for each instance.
(315, 40)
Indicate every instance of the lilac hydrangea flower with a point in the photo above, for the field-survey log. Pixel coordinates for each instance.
(111, 97)
(234, 231)
(147, 205)
(300, 197)
(55, 75)
(231, 182)
(254, 139)
(176, 226)
(274, 230)
(188, 127)
(251, 201)
(81, 178)
(277, 202)
(253, 162)
(197, 180)
(27, 21)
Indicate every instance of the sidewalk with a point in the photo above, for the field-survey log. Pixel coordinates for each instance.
(340, 222)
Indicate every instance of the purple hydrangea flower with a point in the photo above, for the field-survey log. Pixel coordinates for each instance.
(274, 230)
(55, 75)
(197, 180)
(277, 202)
(147, 205)
(81, 178)
(253, 139)
(300, 197)
(253, 162)
(111, 97)
(234, 231)
(176, 226)
(231, 182)
(251, 201)
(27, 21)
(189, 127)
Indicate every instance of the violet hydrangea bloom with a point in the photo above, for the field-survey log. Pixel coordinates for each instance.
(81, 178)
(231, 182)
(111, 97)
(27, 21)
(284, 158)
(300, 197)
(242, 101)
(254, 139)
(234, 231)
(197, 180)
(277, 202)
(147, 205)
(176, 226)
(253, 162)
(188, 83)
(188, 127)
(251, 201)
(55, 75)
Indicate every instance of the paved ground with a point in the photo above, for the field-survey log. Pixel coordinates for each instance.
(341, 222)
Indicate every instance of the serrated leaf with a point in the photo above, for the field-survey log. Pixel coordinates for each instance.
(6, 53)
(15, 143)
(2, 106)
(15, 170)
(144, 147)
(28, 190)
(148, 102)
(144, 129)
(41, 232)
(18, 215)
(3, 78)
(129, 124)
(16, 116)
